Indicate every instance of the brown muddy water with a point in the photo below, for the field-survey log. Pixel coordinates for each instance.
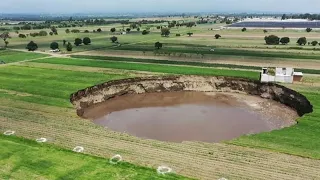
(191, 116)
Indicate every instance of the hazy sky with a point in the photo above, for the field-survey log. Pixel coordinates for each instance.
(121, 6)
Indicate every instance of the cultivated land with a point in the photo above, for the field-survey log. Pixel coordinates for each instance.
(34, 102)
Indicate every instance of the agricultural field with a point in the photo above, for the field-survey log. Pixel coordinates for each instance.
(34, 102)
(26, 159)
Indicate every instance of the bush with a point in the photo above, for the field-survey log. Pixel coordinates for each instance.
(43, 33)
(64, 42)
(178, 34)
(114, 39)
(32, 46)
(51, 33)
(67, 31)
(302, 41)
(77, 41)
(190, 34)
(99, 30)
(138, 29)
(113, 30)
(244, 29)
(272, 40)
(217, 36)
(145, 32)
(128, 30)
(314, 43)
(86, 41)
(86, 31)
(22, 36)
(54, 45)
(285, 40)
(308, 29)
(75, 31)
(34, 34)
(265, 31)
(69, 46)
(158, 45)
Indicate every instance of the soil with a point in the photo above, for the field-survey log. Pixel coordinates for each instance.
(191, 116)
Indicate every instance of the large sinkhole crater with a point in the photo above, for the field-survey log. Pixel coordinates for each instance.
(190, 108)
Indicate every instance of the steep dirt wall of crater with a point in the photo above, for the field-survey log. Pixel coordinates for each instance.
(103, 92)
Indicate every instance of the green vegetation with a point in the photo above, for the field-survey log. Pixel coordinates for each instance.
(26, 159)
(9, 56)
(153, 68)
(222, 51)
(48, 86)
(186, 63)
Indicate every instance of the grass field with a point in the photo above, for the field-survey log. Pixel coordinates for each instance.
(152, 67)
(186, 63)
(26, 159)
(9, 56)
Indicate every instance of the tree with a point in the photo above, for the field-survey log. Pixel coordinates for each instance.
(54, 45)
(43, 33)
(158, 45)
(32, 46)
(158, 27)
(69, 46)
(272, 40)
(75, 31)
(302, 41)
(285, 40)
(190, 34)
(165, 32)
(138, 29)
(314, 43)
(99, 30)
(64, 42)
(77, 41)
(284, 16)
(114, 39)
(145, 32)
(4, 36)
(22, 36)
(54, 30)
(128, 30)
(51, 33)
(217, 36)
(308, 29)
(86, 41)
(244, 29)
(113, 30)
(265, 31)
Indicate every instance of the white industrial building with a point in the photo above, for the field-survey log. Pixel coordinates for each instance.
(281, 75)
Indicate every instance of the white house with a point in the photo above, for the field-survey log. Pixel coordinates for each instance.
(282, 75)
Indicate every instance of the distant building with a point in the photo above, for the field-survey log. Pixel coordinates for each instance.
(282, 75)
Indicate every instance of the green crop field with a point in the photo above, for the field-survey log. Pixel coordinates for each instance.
(153, 68)
(26, 159)
(9, 56)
